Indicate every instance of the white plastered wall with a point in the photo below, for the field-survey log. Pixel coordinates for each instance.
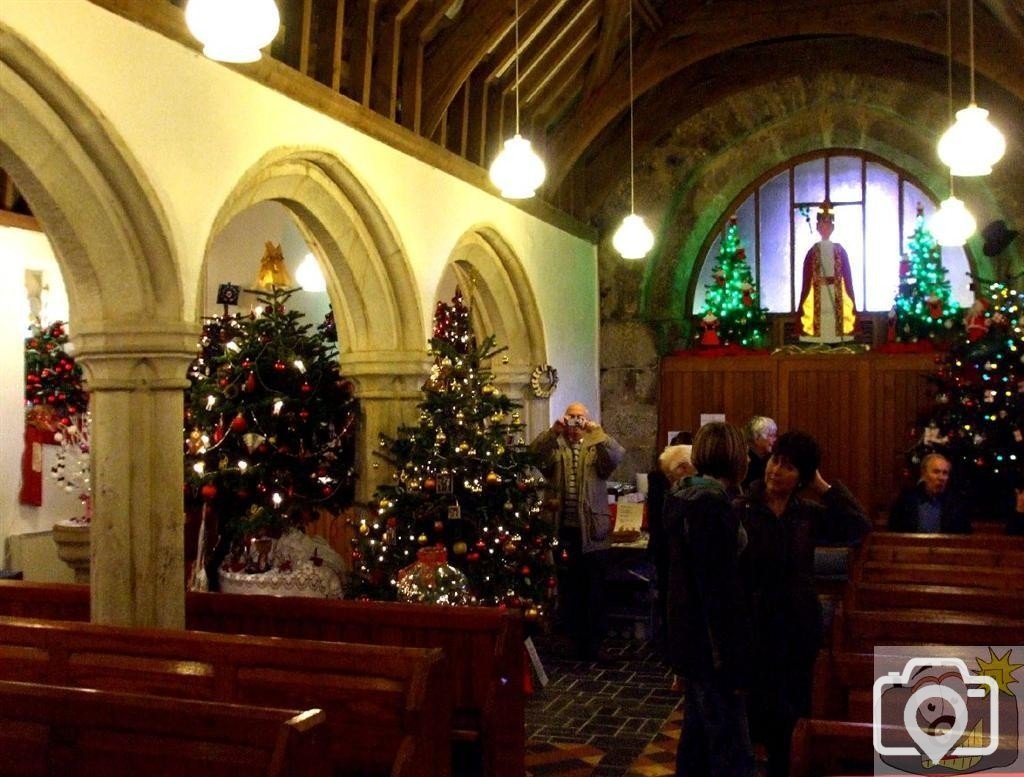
(197, 128)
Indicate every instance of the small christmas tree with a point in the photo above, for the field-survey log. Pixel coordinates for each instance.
(924, 305)
(53, 381)
(732, 300)
(977, 419)
(463, 481)
(269, 426)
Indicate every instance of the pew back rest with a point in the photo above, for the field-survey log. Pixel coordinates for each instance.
(860, 631)
(483, 647)
(824, 747)
(948, 553)
(55, 601)
(387, 708)
(894, 596)
(999, 578)
(47, 731)
(965, 541)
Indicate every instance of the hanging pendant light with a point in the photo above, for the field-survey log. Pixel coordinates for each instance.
(517, 170)
(233, 30)
(633, 240)
(952, 223)
(973, 144)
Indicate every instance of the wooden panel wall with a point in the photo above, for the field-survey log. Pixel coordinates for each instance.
(860, 407)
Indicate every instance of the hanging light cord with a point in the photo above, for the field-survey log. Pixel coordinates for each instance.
(949, 73)
(970, 27)
(632, 205)
(517, 66)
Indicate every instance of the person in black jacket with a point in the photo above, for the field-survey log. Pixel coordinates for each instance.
(708, 631)
(783, 528)
(673, 464)
(930, 506)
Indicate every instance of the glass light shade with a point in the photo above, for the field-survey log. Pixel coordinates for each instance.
(973, 144)
(952, 223)
(233, 30)
(309, 276)
(517, 171)
(633, 240)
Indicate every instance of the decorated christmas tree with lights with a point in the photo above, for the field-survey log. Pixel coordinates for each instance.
(924, 306)
(269, 429)
(977, 417)
(463, 484)
(53, 381)
(732, 313)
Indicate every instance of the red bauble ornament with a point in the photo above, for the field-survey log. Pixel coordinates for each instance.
(474, 556)
(304, 414)
(239, 424)
(250, 383)
(429, 484)
(439, 526)
(208, 492)
(305, 389)
(280, 366)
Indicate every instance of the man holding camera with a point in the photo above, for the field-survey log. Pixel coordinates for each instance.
(577, 456)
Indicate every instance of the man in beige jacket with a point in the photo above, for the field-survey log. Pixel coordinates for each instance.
(577, 456)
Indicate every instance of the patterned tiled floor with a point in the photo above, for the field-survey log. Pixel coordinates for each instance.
(614, 719)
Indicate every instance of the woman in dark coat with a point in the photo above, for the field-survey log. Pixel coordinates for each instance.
(783, 528)
(708, 633)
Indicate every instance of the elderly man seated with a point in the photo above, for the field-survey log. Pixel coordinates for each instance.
(930, 506)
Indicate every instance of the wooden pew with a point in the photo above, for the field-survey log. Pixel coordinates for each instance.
(832, 747)
(896, 596)
(56, 601)
(946, 554)
(859, 631)
(388, 712)
(824, 747)
(999, 578)
(46, 731)
(484, 649)
(983, 541)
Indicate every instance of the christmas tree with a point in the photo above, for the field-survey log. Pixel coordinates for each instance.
(463, 481)
(924, 306)
(53, 381)
(269, 426)
(732, 313)
(977, 418)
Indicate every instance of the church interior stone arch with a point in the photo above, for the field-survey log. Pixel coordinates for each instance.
(502, 301)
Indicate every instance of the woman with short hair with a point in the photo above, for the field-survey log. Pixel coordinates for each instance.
(783, 528)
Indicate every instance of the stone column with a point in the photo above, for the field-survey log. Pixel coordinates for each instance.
(388, 387)
(136, 376)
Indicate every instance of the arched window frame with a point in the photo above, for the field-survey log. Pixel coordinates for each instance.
(957, 260)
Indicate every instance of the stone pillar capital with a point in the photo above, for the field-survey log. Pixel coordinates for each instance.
(386, 374)
(127, 356)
